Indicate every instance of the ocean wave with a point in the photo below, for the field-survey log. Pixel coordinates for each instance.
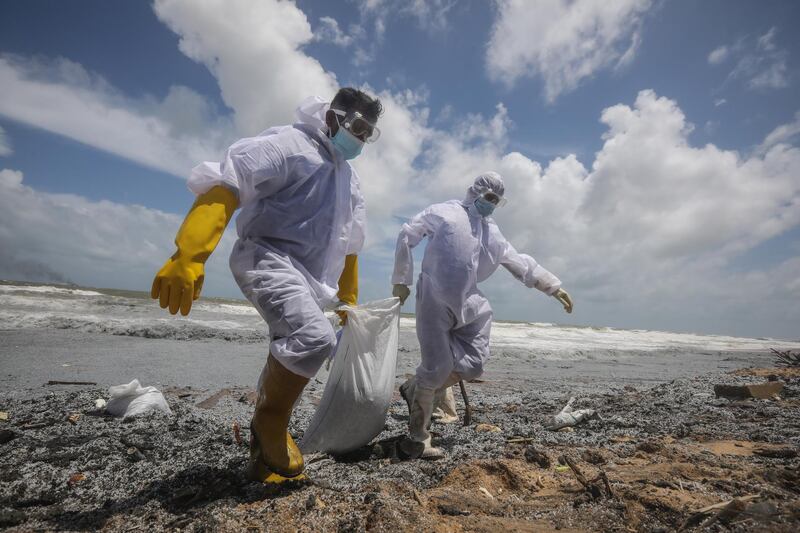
(149, 328)
(232, 309)
(132, 314)
(605, 340)
(48, 289)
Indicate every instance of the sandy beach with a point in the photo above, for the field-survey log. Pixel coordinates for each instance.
(665, 444)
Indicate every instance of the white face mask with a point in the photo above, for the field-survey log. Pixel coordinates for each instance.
(484, 206)
(347, 144)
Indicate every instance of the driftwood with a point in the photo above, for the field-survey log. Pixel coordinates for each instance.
(725, 511)
(786, 358)
(214, 399)
(520, 440)
(593, 486)
(467, 409)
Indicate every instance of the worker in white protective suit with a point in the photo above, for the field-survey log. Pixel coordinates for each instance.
(453, 317)
(301, 225)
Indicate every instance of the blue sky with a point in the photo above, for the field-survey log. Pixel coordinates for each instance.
(687, 238)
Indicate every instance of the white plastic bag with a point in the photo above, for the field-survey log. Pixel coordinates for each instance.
(133, 399)
(359, 390)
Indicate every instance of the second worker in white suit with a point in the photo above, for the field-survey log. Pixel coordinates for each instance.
(454, 319)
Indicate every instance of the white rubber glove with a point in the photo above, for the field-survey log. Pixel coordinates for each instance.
(563, 297)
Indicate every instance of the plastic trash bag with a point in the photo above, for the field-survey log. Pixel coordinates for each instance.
(359, 389)
(569, 417)
(133, 399)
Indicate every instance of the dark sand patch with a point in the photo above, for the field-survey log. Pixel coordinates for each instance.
(667, 451)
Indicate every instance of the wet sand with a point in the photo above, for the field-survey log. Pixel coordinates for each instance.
(31, 357)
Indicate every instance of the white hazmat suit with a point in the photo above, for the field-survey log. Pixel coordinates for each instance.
(453, 317)
(302, 212)
(464, 248)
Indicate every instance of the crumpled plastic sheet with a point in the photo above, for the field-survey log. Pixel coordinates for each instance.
(132, 399)
(569, 417)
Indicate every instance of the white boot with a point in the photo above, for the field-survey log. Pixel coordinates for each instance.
(419, 439)
(407, 391)
(444, 403)
(444, 406)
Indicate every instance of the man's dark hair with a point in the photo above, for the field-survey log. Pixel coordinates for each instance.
(350, 99)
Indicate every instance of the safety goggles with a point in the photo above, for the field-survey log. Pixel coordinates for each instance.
(492, 197)
(355, 123)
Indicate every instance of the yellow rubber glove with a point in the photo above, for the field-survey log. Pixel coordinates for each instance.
(180, 280)
(348, 285)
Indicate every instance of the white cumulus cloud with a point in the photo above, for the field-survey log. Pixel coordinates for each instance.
(254, 50)
(681, 201)
(783, 134)
(5, 144)
(652, 219)
(66, 237)
(329, 31)
(62, 97)
(255, 56)
(562, 41)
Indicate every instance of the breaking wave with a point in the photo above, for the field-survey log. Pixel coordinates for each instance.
(150, 328)
(136, 315)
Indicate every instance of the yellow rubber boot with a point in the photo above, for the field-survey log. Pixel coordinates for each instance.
(180, 280)
(258, 471)
(348, 285)
(272, 449)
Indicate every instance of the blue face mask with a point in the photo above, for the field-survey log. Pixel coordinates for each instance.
(484, 206)
(347, 144)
